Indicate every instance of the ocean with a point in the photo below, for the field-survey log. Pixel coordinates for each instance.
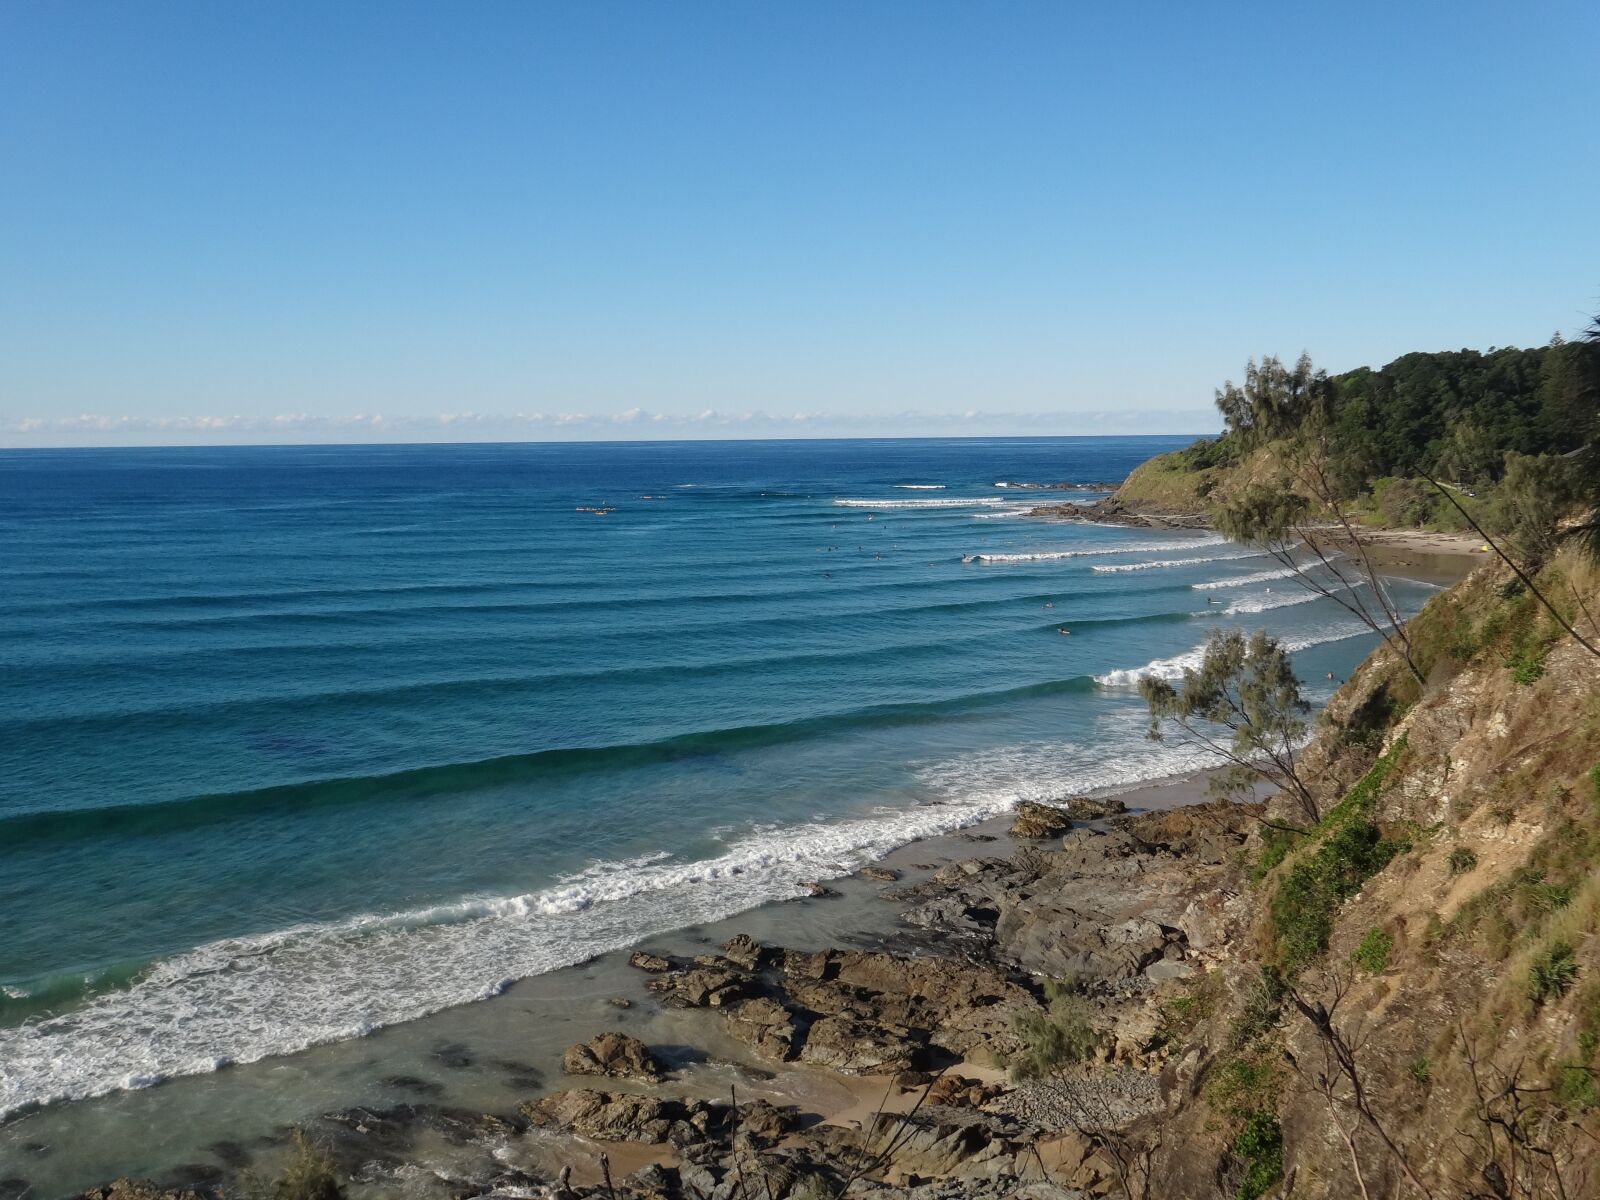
(298, 743)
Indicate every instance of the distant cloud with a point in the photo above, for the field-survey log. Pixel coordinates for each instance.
(103, 429)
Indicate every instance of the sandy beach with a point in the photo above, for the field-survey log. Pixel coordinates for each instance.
(491, 1056)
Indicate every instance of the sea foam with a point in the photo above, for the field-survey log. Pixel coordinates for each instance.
(1174, 667)
(937, 502)
(239, 1000)
(1091, 552)
(1166, 563)
(1243, 580)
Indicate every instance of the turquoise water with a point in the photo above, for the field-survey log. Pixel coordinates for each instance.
(296, 743)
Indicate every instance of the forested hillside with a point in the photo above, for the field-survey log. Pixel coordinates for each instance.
(1496, 427)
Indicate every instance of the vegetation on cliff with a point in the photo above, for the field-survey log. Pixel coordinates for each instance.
(1418, 1010)
(1509, 431)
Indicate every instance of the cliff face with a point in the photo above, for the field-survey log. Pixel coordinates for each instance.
(1418, 1007)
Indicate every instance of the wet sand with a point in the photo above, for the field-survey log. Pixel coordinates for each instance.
(492, 1055)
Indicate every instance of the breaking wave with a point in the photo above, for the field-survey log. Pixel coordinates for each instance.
(1173, 668)
(1131, 548)
(1243, 580)
(243, 999)
(1163, 564)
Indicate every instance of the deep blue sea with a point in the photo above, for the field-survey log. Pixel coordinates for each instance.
(300, 742)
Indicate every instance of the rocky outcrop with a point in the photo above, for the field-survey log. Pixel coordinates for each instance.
(851, 1044)
(764, 1025)
(138, 1189)
(622, 1116)
(611, 1054)
(1039, 821)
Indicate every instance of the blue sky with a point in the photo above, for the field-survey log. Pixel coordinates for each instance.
(386, 221)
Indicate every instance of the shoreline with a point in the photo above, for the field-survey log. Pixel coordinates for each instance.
(1431, 556)
(494, 1054)
(520, 1034)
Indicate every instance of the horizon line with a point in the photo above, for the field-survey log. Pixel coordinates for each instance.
(1034, 437)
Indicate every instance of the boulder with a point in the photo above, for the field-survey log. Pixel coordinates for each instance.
(1039, 821)
(763, 1024)
(805, 964)
(137, 1189)
(653, 963)
(765, 1122)
(612, 1054)
(619, 1116)
(1082, 808)
(958, 1091)
(880, 874)
(848, 1044)
(700, 987)
(743, 951)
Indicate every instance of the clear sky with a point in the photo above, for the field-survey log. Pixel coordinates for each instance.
(279, 221)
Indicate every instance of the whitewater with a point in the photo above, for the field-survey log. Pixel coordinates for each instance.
(353, 735)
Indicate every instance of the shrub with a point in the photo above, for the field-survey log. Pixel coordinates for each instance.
(1309, 896)
(1527, 670)
(1553, 972)
(308, 1175)
(1372, 955)
(1260, 1145)
(1419, 1070)
(1346, 849)
(1058, 1037)
(1262, 1003)
(1462, 860)
(1246, 1084)
(1575, 1087)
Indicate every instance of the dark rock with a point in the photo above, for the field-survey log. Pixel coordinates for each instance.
(766, 1122)
(614, 1054)
(138, 1189)
(959, 1091)
(881, 874)
(612, 1117)
(697, 1180)
(803, 964)
(230, 1154)
(743, 951)
(1039, 821)
(414, 1084)
(764, 1024)
(648, 962)
(624, 1117)
(820, 891)
(1082, 808)
(701, 987)
(848, 1044)
(653, 1179)
(453, 1055)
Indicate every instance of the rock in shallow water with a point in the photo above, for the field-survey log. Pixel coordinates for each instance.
(1039, 821)
(614, 1054)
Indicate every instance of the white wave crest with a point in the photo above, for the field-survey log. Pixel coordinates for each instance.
(1173, 668)
(1243, 580)
(921, 487)
(1165, 563)
(1266, 603)
(243, 999)
(1088, 552)
(940, 502)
